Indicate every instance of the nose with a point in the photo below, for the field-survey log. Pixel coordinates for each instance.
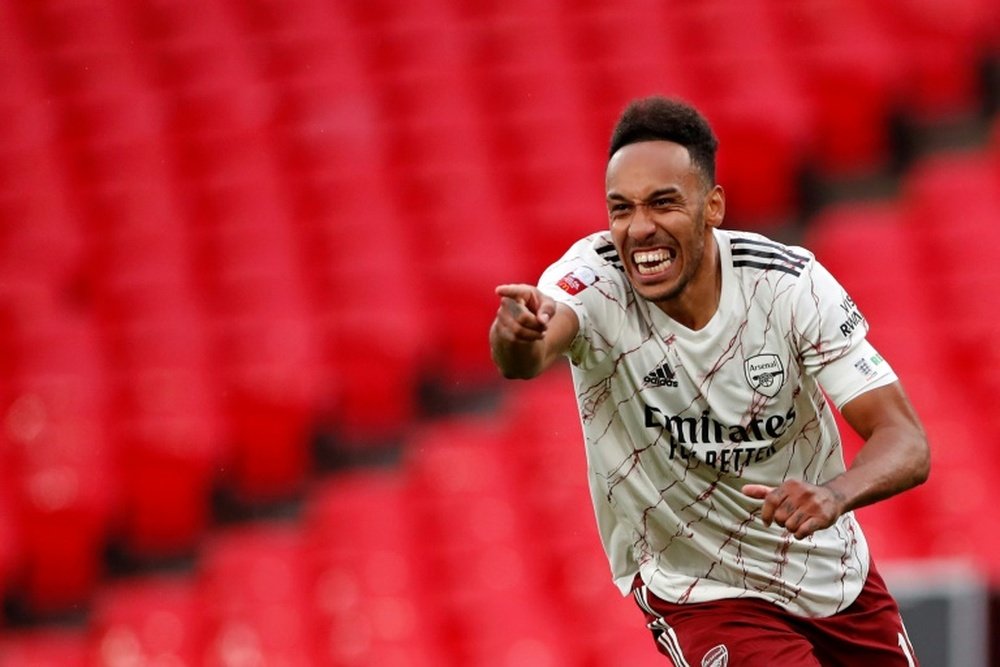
(641, 226)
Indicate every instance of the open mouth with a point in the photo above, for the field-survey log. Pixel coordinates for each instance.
(650, 262)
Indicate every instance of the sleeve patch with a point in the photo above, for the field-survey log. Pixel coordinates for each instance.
(577, 280)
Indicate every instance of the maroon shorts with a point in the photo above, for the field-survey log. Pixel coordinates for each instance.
(749, 632)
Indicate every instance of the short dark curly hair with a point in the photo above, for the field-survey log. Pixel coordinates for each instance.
(659, 118)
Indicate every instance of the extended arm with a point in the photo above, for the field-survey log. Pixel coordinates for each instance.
(894, 458)
(530, 331)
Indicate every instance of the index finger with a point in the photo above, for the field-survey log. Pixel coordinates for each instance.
(521, 314)
(514, 291)
(772, 501)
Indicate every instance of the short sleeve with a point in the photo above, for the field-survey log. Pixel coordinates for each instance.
(830, 334)
(588, 283)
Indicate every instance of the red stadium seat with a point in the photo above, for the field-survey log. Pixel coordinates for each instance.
(545, 444)
(271, 371)
(962, 247)
(168, 423)
(45, 647)
(263, 329)
(172, 438)
(943, 45)
(762, 146)
(540, 149)
(458, 461)
(64, 24)
(834, 238)
(376, 15)
(175, 21)
(372, 602)
(39, 234)
(253, 591)
(615, 62)
(294, 18)
(371, 301)
(10, 546)
(65, 485)
(466, 500)
(439, 168)
(850, 74)
(40, 239)
(147, 620)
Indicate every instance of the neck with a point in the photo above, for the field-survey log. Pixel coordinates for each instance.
(695, 306)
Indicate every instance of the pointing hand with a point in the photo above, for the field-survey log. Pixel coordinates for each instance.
(524, 313)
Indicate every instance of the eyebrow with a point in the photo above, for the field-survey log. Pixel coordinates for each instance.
(671, 191)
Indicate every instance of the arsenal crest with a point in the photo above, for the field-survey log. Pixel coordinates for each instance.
(765, 374)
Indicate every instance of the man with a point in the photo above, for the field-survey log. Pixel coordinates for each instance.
(700, 357)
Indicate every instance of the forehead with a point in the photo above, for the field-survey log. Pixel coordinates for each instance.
(645, 166)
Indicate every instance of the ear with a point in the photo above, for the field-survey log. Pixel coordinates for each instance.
(715, 206)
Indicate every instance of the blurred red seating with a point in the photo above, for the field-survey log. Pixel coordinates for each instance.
(173, 440)
(731, 56)
(253, 591)
(367, 290)
(47, 647)
(11, 551)
(535, 109)
(371, 600)
(168, 423)
(371, 303)
(167, 21)
(614, 62)
(64, 484)
(851, 76)
(466, 499)
(942, 44)
(147, 620)
(961, 249)
(463, 481)
(850, 240)
(438, 167)
(454, 204)
(263, 328)
(39, 237)
(463, 250)
(295, 17)
(273, 398)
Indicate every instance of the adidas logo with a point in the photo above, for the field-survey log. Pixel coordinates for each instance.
(661, 377)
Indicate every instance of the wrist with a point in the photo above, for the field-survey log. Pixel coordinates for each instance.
(839, 488)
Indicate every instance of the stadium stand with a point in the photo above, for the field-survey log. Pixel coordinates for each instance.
(46, 648)
(147, 620)
(247, 258)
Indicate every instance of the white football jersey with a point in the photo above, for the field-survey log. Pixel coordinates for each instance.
(676, 421)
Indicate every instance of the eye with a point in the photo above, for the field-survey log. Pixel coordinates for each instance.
(619, 209)
(661, 203)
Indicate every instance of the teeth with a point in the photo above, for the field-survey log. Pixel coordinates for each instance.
(651, 261)
(648, 256)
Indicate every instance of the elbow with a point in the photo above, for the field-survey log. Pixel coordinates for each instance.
(922, 459)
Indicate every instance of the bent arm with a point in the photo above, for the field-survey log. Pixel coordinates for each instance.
(530, 331)
(895, 456)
